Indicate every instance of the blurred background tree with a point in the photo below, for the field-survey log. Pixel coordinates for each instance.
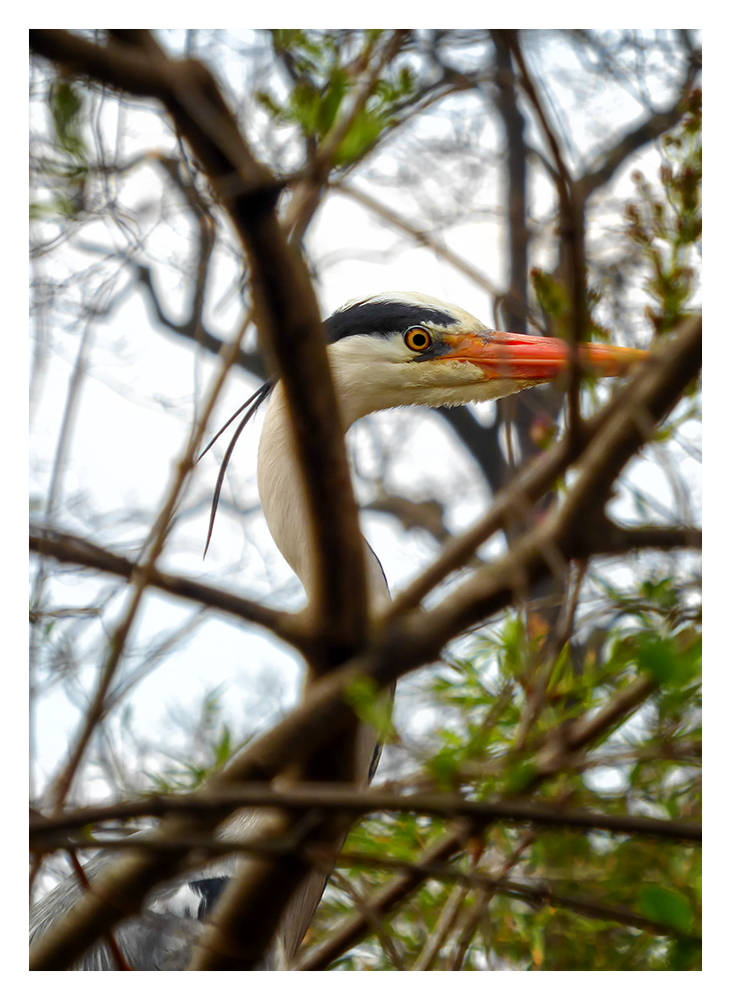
(441, 177)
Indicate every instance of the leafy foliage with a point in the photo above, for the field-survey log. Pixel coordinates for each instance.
(324, 69)
(64, 167)
(668, 228)
(646, 764)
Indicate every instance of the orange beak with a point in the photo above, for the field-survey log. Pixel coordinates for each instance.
(518, 357)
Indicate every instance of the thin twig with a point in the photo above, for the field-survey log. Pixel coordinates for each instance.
(559, 747)
(396, 221)
(483, 899)
(344, 798)
(559, 638)
(447, 918)
(572, 235)
(374, 919)
(72, 549)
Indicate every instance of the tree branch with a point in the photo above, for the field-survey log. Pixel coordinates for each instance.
(539, 894)
(360, 803)
(565, 533)
(289, 324)
(616, 540)
(194, 331)
(67, 548)
(420, 236)
(287, 314)
(647, 131)
(571, 217)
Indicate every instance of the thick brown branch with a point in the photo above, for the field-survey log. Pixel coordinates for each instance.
(286, 310)
(615, 540)
(515, 308)
(289, 325)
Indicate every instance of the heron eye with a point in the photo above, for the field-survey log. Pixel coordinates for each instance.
(417, 339)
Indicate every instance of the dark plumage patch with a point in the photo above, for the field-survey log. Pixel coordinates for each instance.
(209, 889)
(382, 318)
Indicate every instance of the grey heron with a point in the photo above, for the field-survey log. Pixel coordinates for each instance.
(389, 350)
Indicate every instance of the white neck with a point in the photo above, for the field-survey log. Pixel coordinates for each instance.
(282, 494)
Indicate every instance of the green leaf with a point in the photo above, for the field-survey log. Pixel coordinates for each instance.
(359, 138)
(66, 110)
(224, 747)
(685, 956)
(330, 103)
(371, 705)
(666, 906)
(666, 661)
(518, 778)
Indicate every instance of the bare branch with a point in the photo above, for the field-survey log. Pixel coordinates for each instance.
(68, 548)
(195, 330)
(647, 131)
(572, 238)
(399, 222)
(360, 803)
(618, 540)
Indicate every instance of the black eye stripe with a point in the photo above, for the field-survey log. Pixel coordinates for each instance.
(383, 318)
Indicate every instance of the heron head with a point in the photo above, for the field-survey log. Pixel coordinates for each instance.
(404, 349)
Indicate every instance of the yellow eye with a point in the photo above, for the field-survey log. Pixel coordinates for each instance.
(417, 339)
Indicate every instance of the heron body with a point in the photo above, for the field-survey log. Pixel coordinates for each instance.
(390, 350)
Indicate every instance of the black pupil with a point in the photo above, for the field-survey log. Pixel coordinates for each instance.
(418, 340)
